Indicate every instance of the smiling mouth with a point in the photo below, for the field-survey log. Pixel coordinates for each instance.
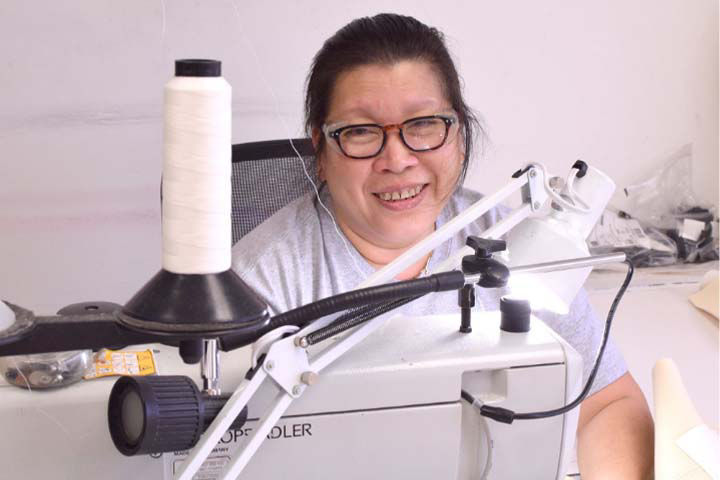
(399, 195)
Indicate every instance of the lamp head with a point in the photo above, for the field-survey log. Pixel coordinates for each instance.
(558, 235)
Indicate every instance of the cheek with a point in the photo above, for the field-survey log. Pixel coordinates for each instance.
(447, 170)
(345, 178)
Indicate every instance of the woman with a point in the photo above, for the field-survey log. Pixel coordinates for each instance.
(393, 138)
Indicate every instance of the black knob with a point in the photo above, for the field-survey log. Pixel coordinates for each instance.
(197, 67)
(191, 351)
(582, 168)
(514, 315)
(484, 247)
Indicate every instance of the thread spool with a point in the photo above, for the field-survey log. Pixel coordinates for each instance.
(196, 220)
(196, 294)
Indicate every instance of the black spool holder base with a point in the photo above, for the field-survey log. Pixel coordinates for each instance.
(170, 308)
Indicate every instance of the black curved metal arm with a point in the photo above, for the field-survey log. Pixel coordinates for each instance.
(58, 333)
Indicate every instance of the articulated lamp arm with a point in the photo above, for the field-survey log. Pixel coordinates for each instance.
(287, 363)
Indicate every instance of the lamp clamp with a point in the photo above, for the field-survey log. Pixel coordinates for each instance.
(490, 273)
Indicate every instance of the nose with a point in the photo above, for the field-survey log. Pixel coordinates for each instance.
(395, 157)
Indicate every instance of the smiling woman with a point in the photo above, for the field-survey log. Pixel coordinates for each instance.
(386, 202)
(393, 139)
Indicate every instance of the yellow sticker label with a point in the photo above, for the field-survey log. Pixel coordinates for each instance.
(107, 363)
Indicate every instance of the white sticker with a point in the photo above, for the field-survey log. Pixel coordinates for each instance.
(210, 470)
(692, 229)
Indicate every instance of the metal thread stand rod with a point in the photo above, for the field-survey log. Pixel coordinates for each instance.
(210, 367)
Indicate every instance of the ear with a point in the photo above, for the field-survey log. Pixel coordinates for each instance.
(316, 137)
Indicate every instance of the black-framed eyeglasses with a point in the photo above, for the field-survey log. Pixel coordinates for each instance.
(367, 140)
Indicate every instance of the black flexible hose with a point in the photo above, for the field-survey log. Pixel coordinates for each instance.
(306, 314)
(354, 318)
(505, 415)
(301, 316)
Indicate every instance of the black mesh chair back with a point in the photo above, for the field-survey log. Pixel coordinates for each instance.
(266, 176)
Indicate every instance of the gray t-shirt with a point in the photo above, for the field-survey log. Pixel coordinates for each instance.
(298, 256)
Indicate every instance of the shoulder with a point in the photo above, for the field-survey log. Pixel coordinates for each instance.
(293, 224)
(273, 256)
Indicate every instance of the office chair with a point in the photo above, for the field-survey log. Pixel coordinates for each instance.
(266, 176)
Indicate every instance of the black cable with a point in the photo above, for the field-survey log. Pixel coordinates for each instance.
(467, 397)
(505, 415)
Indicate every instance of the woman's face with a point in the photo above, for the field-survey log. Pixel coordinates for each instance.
(363, 190)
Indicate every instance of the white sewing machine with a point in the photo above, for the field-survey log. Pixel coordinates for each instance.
(390, 408)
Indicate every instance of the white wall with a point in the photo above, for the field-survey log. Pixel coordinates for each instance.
(616, 83)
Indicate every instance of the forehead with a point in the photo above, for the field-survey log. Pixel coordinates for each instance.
(387, 93)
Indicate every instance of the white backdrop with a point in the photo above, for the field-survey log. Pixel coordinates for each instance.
(619, 84)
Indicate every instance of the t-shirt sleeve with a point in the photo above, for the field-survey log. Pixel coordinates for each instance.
(261, 270)
(582, 328)
(275, 256)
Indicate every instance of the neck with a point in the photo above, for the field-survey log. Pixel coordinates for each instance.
(379, 256)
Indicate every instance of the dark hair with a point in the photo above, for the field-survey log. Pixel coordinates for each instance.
(385, 39)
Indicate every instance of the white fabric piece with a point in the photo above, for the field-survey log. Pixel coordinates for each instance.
(675, 415)
(703, 446)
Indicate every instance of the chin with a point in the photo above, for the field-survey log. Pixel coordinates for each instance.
(404, 237)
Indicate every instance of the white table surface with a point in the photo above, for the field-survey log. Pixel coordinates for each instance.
(656, 320)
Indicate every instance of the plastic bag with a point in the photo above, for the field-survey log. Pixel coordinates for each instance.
(646, 247)
(656, 201)
(664, 222)
(665, 205)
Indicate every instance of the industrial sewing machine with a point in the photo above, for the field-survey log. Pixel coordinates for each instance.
(387, 397)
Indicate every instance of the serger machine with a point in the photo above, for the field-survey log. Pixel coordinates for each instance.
(342, 388)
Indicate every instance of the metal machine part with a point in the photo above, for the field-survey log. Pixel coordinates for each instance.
(53, 370)
(210, 367)
(45, 370)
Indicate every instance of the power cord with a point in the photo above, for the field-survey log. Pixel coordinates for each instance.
(505, 415)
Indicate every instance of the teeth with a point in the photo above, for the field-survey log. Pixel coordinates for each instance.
(400, 195)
